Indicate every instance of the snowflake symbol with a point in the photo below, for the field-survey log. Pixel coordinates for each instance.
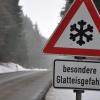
(81, 33)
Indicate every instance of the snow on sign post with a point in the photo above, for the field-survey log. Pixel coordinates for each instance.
(78, 33)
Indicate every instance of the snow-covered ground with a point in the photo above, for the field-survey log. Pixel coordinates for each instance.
(12, 67)
(66, 94)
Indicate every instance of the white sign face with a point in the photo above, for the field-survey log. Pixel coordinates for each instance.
(76, 74)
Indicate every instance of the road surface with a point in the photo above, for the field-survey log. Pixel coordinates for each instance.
(23, 85)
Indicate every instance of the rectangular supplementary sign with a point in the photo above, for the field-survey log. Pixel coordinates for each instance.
(73, 74)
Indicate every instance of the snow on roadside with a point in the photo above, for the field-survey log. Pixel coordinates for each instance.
(37, 69)
(66, 94)
(60, 94)
(12, 67)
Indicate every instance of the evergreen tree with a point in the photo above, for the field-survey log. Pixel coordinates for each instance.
(10, 29)
(12, 42)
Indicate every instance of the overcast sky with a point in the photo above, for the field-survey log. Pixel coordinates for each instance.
(46, 13)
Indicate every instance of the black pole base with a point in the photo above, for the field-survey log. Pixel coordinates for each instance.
(78, 94)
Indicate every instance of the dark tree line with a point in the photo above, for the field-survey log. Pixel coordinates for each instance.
(12, 42)
(10, 28)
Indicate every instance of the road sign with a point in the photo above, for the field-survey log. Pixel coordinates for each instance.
(78, 33)
(73, 74)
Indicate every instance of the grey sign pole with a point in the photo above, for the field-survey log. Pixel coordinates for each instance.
(79, 94)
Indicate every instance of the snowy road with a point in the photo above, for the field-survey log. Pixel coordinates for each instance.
(23, 85)
(66, 94)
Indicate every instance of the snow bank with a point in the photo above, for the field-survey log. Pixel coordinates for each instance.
(12, 67)
(37, 69)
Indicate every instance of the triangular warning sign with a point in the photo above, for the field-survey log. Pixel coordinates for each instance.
(78, 33)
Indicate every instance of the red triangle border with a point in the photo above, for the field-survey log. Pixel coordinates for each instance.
(58, 32)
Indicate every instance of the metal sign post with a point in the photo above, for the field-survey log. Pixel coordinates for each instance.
(79, 94)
